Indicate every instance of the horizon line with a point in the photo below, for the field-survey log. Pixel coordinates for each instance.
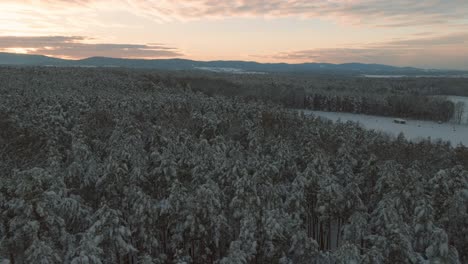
(221, 60)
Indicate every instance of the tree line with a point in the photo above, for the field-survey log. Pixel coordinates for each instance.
(394, 100)
(416, 107)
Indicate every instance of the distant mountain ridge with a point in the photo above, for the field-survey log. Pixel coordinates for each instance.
(242, 66)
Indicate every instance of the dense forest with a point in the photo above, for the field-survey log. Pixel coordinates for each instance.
(119, 166)
(416, 107)
(416, 98)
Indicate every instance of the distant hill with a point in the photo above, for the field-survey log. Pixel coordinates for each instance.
(25, 59)
(223, 66)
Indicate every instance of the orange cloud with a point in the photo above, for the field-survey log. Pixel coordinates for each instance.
(75, 47)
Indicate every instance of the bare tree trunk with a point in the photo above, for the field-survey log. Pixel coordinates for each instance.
(459, 111)
(314, 233)
(322, 244)
(329, 234)
(117, 257)
(338, 231)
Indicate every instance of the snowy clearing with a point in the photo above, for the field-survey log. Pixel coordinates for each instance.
(413, 129)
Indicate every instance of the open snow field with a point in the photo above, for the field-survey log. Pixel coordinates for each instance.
(413, 129)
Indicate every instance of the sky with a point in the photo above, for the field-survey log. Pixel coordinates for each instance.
(419, 33)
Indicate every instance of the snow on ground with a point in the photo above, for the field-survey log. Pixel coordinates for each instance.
(227, 70)
(413, 129)
(382, 76)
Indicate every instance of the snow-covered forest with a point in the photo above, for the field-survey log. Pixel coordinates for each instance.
(414, 98)
(118, 166)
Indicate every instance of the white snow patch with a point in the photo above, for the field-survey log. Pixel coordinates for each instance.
(382, 76)
(413, 130)
(227, 70)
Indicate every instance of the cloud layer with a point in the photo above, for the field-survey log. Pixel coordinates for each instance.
(395, 13)
(446, 51)
(76, 47)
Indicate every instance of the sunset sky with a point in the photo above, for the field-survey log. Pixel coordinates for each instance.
(421, 33)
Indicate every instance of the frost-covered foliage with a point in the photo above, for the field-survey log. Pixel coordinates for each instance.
(415, 98)
(110, 166)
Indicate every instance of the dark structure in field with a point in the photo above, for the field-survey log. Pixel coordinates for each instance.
(399, 121)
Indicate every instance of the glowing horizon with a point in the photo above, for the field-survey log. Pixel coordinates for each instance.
(426, 34)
